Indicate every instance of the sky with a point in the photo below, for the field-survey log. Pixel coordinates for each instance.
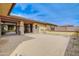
(55, 13)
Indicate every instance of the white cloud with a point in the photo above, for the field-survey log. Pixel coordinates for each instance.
(13, 14)
(23, 15)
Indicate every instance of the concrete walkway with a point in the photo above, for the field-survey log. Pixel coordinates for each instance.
(43, 45)
(9, 43)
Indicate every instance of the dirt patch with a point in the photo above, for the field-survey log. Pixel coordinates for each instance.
(3, 42)
(9, 43)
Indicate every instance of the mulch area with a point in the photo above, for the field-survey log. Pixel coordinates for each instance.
(73, 46)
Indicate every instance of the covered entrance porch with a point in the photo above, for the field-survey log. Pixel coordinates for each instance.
(8, 28)
(14, 26)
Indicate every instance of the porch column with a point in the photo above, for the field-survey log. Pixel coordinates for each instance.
(29, 28)
(21, 27)
(17, 28)
(0, 27)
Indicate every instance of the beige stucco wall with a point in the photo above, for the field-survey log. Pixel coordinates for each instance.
(42, 28)
(5, 8)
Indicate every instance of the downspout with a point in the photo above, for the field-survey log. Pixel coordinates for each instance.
(0, 27)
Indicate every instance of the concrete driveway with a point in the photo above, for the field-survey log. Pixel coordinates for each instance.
(43, 45)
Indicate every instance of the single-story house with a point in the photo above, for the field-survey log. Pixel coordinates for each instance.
(22, 25)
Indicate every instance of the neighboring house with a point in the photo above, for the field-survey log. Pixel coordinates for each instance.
(67, 28)
(22, 25)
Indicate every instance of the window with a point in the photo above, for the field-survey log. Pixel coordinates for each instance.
(36, 26)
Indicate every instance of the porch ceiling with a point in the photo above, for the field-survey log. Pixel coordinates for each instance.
(7, 19)
(13, 19)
